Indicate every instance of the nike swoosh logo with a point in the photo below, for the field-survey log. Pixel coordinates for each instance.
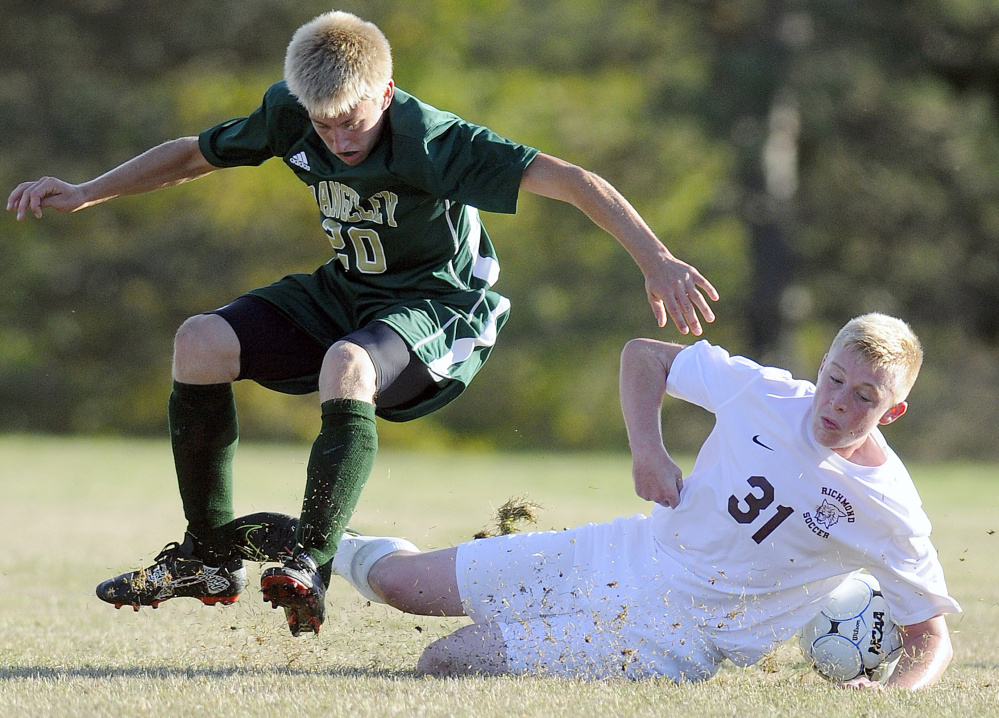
(756, 440)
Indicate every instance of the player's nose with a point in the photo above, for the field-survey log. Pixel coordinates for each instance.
(838, 401)
(341, 141)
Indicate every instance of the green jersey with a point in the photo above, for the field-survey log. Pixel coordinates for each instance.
(408, 245)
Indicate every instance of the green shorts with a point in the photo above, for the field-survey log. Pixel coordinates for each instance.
(451, 333)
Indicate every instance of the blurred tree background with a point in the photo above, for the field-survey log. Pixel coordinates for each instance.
(816, 159)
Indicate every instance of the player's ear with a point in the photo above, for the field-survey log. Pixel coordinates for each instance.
(893, 413)
(389, 93)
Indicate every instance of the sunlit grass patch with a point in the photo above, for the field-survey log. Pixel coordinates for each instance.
(75, 512)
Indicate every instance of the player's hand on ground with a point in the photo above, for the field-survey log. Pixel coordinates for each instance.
(676, 291)
(47, 192)
(657, 478)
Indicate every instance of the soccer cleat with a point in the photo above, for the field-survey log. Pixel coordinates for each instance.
(176, 573)
(298, 588)
(265, 536)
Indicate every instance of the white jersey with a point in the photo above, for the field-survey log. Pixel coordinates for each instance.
(770, 522)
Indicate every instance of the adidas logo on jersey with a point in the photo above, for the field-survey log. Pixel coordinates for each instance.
(300, 160)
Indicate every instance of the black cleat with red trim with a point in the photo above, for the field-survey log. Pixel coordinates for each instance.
(297, 587)
(176, 573)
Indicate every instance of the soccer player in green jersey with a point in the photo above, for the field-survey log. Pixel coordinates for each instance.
(396, 323)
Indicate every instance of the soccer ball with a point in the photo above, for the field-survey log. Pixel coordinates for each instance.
(854, 634)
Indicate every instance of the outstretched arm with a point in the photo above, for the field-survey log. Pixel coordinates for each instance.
(674, 288)
(645, 364)
(164, 165)
(926, 653)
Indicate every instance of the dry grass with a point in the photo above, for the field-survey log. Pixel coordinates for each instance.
(75, 512)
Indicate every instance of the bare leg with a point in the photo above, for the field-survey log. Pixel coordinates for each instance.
(419, 583)
(426, 584)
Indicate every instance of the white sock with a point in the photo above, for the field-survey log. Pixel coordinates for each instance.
(357, 554)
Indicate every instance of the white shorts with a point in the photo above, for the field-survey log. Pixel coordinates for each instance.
(590, 602)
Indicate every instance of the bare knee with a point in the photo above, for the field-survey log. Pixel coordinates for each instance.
(206, 351)
(477, 649)
(438, 659)
(347, 373)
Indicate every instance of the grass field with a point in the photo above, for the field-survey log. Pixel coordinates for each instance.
(74, 512)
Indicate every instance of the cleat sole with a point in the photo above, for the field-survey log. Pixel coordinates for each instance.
(218, 600)
(296, 600)
(207, 600)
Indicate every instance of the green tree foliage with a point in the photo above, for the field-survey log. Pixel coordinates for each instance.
(894, 204)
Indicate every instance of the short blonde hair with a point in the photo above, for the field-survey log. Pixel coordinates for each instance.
(336, 61)
(889, 344)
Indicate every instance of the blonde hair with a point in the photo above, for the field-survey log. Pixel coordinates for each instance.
(889, 344)
(336, 61)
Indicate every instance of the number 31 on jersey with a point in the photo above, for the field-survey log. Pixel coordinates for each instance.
(755, 505)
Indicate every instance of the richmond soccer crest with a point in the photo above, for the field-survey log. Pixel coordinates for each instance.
(829, 514)
(835, 507)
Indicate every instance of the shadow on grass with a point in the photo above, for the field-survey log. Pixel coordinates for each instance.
(47, 673)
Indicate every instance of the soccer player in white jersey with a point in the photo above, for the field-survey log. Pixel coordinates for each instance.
(794, 490)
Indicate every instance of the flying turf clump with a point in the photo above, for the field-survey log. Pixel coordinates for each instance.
(515, 510)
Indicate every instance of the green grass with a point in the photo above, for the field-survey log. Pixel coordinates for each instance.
(73, 512)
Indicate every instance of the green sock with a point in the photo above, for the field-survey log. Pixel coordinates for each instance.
(339, 466)
(204, 434)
